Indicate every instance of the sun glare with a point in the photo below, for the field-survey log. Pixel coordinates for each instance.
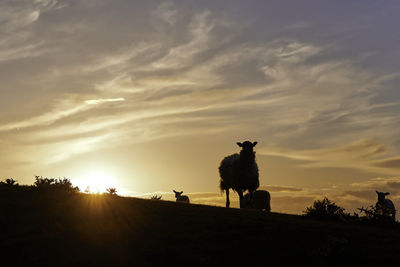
(96, 182)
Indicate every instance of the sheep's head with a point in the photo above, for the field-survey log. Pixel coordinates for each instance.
(381, 195)
(248, 201)
(178, 194)
(247, 146)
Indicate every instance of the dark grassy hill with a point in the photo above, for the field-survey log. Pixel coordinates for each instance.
(59, 229)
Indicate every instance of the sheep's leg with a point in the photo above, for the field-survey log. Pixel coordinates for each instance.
(251, 195)
(240, 193)
(227, 198)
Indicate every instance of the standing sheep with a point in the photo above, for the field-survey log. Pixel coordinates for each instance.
(239, 172)
(261, 200)
(385, 206)
(181, 198)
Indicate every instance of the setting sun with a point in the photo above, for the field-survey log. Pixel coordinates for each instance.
(95, 182)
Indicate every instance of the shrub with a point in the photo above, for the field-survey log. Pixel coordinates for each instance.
(374, 215)
(65, 185)
(62, 185)
(156, 197)
(325, 209)
(111, 191)
(9, 182)
(43, 183)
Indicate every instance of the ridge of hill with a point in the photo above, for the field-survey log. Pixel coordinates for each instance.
(58, 229)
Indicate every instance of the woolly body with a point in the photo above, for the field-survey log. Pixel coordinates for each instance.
(261, 200)
(239, 171)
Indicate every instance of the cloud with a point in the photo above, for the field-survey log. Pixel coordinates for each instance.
(222, 79)
(392, 163)
(122, 59)
(362, 154)
(277, 188)
(166, 12)
(200, 33)
(100, 101)
(62, 110)
(18, 40)
(24, 51)
(359, 150)
(380, 183)
(20, 14)
(44, 119)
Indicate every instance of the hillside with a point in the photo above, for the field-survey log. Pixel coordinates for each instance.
(79, 229)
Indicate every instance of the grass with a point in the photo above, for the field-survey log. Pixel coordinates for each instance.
(56, 229)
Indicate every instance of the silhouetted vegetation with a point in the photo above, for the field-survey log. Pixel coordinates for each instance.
(9, 182)
(156, 197)
(371, 215)
(325, 209)
(374, 215)
(111, 191)
(60, 185)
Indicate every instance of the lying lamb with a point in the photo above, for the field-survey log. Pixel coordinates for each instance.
(261, 200)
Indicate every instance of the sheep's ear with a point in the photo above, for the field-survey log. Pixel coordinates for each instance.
(377, 191)
(255, 143)
(174, 191)
(181, 192)
(239, 144)
(387, 193)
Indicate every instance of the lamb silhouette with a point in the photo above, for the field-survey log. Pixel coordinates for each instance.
(181, 198)
(385, 206)
(239, 172)
(261, 200)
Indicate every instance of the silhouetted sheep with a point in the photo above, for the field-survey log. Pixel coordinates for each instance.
(239, 172)
(385, 206)
(261, 200)
(180, 197)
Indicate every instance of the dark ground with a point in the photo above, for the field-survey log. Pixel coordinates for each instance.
(56, 229)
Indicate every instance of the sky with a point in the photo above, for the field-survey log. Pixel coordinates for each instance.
(149, 96)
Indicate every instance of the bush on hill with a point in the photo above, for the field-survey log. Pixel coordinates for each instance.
(111, 191)
(9, 182)
(62, 185)
(325, 209)
(373, 215)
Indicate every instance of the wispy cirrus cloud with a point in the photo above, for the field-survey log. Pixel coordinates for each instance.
(367, 155)
(17, 17)
(166, 12)
(62, 110)
(353, 152)
(100, 101)
(194, 78)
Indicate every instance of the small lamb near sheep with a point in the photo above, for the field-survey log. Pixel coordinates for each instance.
(385, 206)
(261, 200)
(239, 171)
(180, 197)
